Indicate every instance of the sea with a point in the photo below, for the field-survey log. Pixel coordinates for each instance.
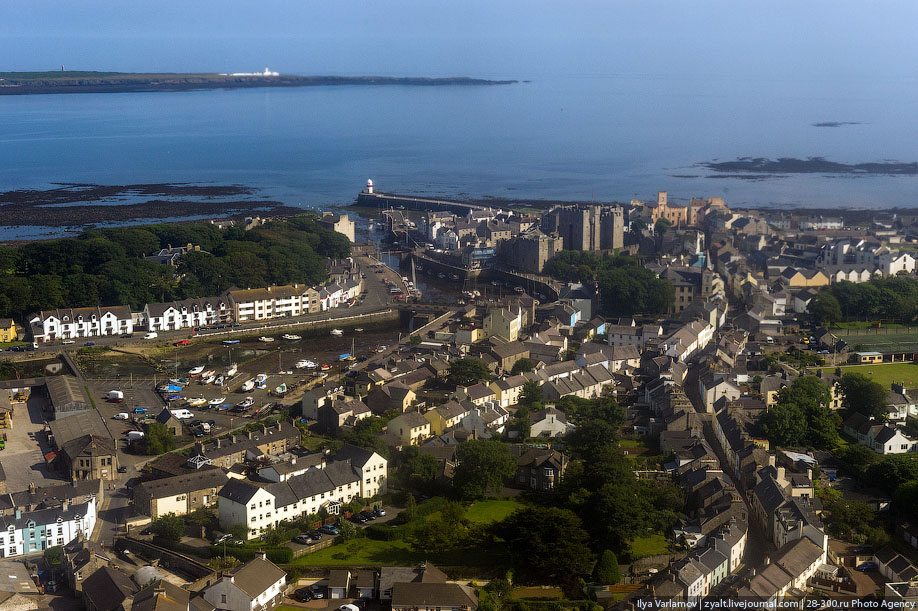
(602, 138)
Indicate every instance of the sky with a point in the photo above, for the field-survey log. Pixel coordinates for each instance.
(478, 38)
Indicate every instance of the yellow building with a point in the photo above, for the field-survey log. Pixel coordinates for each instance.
(8, 331)
(802, 278)
(677, 215)
(504, 323)
(865, 358)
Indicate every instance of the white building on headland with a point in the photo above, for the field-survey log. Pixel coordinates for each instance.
(265, 73)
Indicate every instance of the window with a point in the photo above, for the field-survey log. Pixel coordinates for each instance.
(252, 506)
(60, 541)
(223, 598)
(268, 502)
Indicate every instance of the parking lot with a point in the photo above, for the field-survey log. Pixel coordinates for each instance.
(26, 444)
(147, 398)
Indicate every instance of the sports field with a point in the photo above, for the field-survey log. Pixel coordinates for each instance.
(883, 342)
(885, 374)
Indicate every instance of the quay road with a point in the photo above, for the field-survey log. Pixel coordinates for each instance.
(376, 303)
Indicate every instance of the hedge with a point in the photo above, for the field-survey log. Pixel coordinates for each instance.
(381, 532)
(277, 555)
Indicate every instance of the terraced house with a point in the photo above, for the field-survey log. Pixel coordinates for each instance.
(53, 325)
(187, 314)
(353, 473)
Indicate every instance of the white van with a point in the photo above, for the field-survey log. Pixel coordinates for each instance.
(134, 435)
(182, 414)
(769, 339)
(151, 335)
(122, 416)
(114, 395)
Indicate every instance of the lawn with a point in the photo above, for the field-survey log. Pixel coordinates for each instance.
(537, 593)
(395, 553)
(885, 374)
(363, 551)
(486, 512)
(654, 545)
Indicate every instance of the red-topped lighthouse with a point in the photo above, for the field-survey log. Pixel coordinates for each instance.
(369, 185)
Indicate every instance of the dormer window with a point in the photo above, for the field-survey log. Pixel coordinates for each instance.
(66, 319)
(30, 524)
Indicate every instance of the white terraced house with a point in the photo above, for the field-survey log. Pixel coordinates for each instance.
(353, 473)
(34, 531)
(53, 325)
(187, 314)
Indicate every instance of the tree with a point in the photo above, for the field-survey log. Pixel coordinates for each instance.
(892, 471)
(169, 526)
(53, 555)
(662, 225)
(545, 544)
(863, 395)
(524, 365)
(411, 507)
(638, 225)
(784, 424)
(531, 393)
(415, 339)
(606, 571)
(825, 308)
(468, 371)
(416, 470)
(156, 440)
(347, 530)
(239, 531)
(484, 466)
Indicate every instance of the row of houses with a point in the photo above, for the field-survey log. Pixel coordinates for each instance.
(235, 306)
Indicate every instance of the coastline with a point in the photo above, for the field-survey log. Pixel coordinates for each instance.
(38, 83)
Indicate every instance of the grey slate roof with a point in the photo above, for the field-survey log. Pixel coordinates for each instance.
(183, 484)
(238, 491)
(256, 576)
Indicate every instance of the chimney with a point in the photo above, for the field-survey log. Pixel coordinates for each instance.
(31, 487)
(233, 439)
(74, 483)
(264, 429)
(771, 460)
(781, 478)
(261, 554)
(65, 504)
(18, 514)
(250, 434)
(218, 442)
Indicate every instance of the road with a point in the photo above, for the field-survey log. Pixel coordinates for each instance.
(757, 545)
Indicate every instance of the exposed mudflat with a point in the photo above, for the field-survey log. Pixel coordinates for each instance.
(811, 165)
(83, 205)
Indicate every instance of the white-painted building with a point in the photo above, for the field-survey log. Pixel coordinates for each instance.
(35, 531)
(73, 323)
(268, 303)
(187, 314)
(257, 585)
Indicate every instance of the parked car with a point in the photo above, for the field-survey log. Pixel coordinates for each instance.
(318, 592)
(151, 335)
(140, 410)
(303, 539)
(181, 342)
(867, 566)
(222, 538)
(303, 595)
(90, 344)
(380, 512)
(67, 341)
(315, 534)
(329, 529)
(358, 518)
(122, 469)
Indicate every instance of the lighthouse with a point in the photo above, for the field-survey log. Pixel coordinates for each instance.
(369, 185)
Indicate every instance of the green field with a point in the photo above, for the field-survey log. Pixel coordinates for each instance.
(654, 545)
(885, 374)
(486, 512)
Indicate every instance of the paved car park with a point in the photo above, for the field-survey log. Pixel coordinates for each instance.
(26, 444)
